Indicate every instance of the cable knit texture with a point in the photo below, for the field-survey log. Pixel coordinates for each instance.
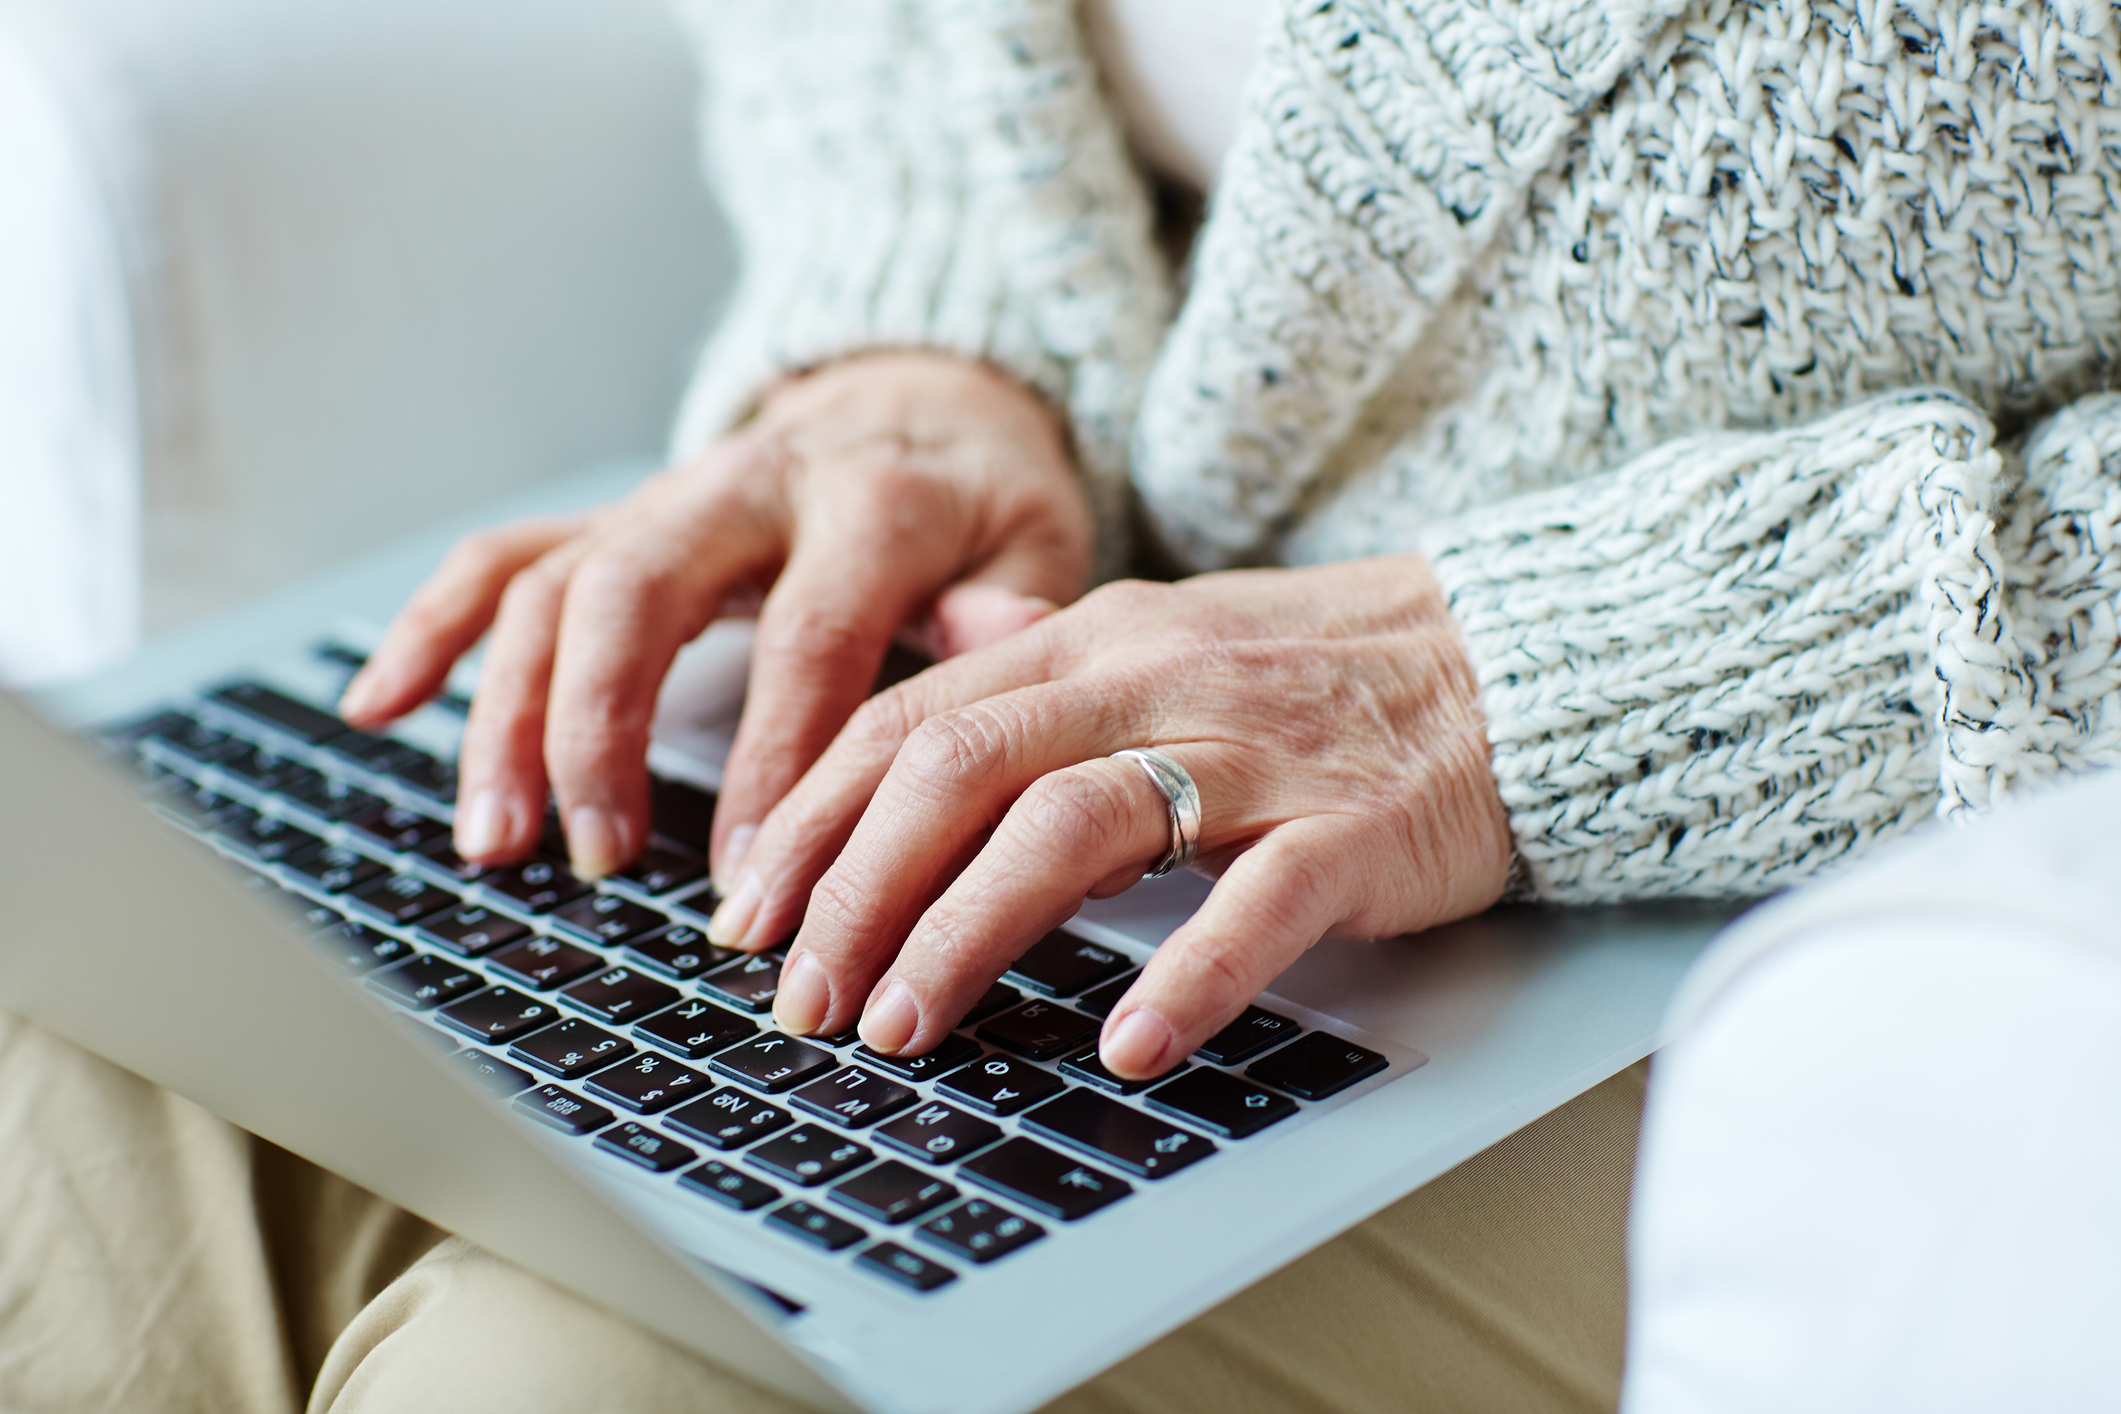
(1678, 332)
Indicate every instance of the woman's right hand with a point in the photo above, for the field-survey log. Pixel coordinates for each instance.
(884, 492)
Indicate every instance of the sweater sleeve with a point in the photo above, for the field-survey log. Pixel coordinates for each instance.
(934, 174)
(1737, 660)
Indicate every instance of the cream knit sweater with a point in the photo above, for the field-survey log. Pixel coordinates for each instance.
(1696, 341)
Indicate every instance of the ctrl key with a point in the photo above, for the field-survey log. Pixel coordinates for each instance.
(910, 1269)
(715, 1179)
(981, 1231)
(564, 1110)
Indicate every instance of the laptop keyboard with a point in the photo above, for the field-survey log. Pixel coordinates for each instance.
(603, 1012)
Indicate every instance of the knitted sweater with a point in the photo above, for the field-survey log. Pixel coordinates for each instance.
(1696, 341)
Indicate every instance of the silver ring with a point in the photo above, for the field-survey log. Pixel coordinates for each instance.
(1181, 796)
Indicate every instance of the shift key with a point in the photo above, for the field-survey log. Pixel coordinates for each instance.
(1139, 1143)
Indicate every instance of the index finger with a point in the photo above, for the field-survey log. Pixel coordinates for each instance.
(446, 615)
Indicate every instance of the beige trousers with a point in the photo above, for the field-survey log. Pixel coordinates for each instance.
(156, 1260)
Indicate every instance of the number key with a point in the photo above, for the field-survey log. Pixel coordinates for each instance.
(648, 1083)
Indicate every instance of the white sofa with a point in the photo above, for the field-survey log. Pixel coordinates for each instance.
(280, 277)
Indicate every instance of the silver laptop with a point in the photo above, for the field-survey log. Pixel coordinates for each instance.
(574, 1078)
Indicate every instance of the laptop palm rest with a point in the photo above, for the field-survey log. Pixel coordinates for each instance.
(170, 971)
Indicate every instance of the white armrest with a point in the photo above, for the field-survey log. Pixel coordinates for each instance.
(279, 280)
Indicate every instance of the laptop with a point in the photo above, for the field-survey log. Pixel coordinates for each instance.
(211, 881)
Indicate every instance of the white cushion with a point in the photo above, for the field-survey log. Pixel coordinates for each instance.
(1879, 1167)
(280, 278)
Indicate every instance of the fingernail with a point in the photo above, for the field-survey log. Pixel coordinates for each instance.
(804, 997)
(480, 823)
(891, 1019)
(733, 919)
(355, 701)
(1137, 1046)
(596, 842)
(733, 854)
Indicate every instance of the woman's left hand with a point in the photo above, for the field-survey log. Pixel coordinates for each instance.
(1328, 716)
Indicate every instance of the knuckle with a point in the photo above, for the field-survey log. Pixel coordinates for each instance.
(1127, 598)
(616, 575)
(814, 633)
(886, 719)
(955, 750)
(835, 912)
(1078, 814)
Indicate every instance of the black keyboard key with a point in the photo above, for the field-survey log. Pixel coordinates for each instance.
(267, 839)
(1138, 1143)
(498, 1077)
(715, 1179)
(908, 1269)
(1222, 1103)
(648, 1084)
(187, 738)
(262, 768)
(309, 725)
(425, 981)
(572, 1048)
(853, 1097)
(332, 797)
(618, 996)
(1001, 1085)
(682, 813)
(340, 655)
(606, 919)
(335, 868)
(680, 952)
(544, 963)
(539, 886)
(810, 1155)
(398, 828)
(774, 1062)
(639, 1144)
(362, 949)
(996, 998)
(937, 1134)
(981, 1231)
(1061, 964)
(400, 900)
(567, 1112)
(498, 1015)
(950, 1053)
(471, 931)
(1040, 1030)
(893, 1192)
(662, 870)
(815, 1226)
(426, 775)
(441, 860)
(749, 984)
(317, 915)
(1317, 1066)
(1043, 1180)
(1099, 1001)
(1088, 1067)
(377, 753)
(729, 1119)
(695, 1030)
(1256, 1029)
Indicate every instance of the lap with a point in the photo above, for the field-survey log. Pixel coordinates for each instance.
(175, 1263)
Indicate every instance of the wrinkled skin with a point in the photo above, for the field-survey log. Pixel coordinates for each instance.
(919, 842)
